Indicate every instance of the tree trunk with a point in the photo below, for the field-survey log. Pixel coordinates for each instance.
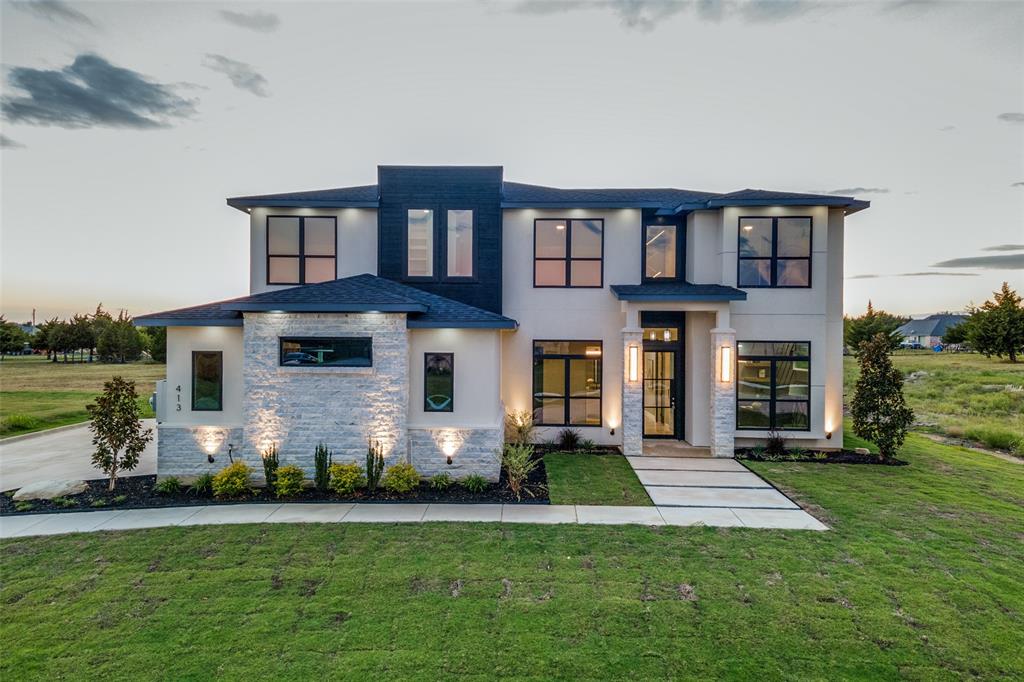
(113, 479)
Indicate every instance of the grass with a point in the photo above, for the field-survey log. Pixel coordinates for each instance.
(921, 577)
(963, 395)
(36, 394)
(593, 479)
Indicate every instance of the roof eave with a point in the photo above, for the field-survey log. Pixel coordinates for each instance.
(284, 307)
(187, 322)
(244, 203)
(463, 324)
(742, 296)
(581, 204)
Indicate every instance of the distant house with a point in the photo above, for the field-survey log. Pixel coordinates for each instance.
(928, 331)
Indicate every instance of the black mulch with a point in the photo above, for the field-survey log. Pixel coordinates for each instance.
(830, 457)
(136, 492)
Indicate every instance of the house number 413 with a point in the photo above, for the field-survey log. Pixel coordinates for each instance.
(178, 390)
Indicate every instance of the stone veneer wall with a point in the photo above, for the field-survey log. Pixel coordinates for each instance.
(632, 397)
(723, 397)
(183, 451)
(343, 407)
(473, 451)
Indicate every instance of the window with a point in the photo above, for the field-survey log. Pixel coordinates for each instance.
(661, 252)
(207, 381)
(356, 351)
(773, 385)
(568, 253)
(420, 243)
(567, 383)
(438, 382)
(301, 250)
(774, 252)
(460, 243)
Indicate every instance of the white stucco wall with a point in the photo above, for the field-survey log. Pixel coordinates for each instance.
(357, 242)
(181, 342)
(477, 401)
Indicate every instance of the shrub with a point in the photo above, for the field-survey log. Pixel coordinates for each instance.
(19, 422)
(168, 486)
(519, 427)
(401, 478)
(568, 439)
(120, 499)
(203, 485)
(441, 481)
(117, 434)
(64, 502)
(270, 463)
(28, 506)
(880, 413)
(474, 483)
(588, 445)
(232, 480)
(322, 458)
(288, 481)
(1000, 439)
(345, 478)
(98, 503)
(518, 462)
(374, 464)
(775, 445)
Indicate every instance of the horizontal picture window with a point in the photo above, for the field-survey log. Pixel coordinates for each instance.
(354, 351)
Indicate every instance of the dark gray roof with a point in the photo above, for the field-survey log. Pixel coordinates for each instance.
(677, 291)
(361, 293)
(765, 197)
(517, 194)
(362, 196)
(933, 325)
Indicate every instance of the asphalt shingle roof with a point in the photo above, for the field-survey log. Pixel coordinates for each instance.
(933, 325)
(677, 291)
(365, 196)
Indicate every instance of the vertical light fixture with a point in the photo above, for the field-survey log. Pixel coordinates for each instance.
(634, 362)
(726, 371)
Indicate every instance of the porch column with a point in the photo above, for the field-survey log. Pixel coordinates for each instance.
(723, 393)
(632, 394)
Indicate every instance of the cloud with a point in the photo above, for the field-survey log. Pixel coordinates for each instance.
(1012, 117)
(8, 143)
(242, 75)
(646, 14)
(1005, 247)
(1011, 262)
(918, 274)
(55, 11)
(91, 92)
(850, 191)
(1017, 184)
(947, 129)
(263, 22)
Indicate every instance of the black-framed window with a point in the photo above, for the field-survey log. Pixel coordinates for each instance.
(439, 382)
(301, 249)
(460, 250)
(568, 253)
(419, 243)
(774, 252)
(773, 387)
(349, 351)
(207, 381)
(567, 383)
(663, 247)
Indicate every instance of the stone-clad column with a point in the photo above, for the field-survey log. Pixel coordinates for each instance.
(632, 395)
(723, 394)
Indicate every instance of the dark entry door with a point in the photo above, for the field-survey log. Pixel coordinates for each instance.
(663, 375)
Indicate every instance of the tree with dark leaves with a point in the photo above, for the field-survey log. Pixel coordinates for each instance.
(117, 432)
(880, 413)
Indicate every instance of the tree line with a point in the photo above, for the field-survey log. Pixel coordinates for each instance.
(83, 338)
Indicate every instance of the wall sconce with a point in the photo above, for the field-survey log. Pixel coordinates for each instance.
(726, 370)
(828, 435)
(634, 362)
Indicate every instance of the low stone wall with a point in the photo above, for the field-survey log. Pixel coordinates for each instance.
(472, 451)
(184, 451)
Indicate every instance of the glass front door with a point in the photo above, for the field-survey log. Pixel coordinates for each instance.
(660, 393)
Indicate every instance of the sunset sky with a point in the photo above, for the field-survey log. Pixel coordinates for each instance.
(126, 124)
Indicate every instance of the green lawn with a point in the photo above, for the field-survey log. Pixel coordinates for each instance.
(964, 395)
(593, 479)
(36, 394)
(922, 577)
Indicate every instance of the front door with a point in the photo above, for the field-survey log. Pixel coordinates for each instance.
(663, 373)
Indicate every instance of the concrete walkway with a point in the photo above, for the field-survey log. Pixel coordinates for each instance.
(61, 454)
(685, 486)
(77, 522)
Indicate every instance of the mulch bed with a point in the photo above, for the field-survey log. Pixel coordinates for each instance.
(137, 492)
(829, 457)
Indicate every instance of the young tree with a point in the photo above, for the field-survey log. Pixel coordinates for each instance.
(880, 414)
(997, 327)
(117, 429)
(859, 330)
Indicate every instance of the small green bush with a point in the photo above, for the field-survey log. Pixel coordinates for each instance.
(518, 463)
(288, 481)
(23, 506)
(98, 503)
(120, 499)
(1000, 439)
(64, 502)
(474, 483)
(232, 480)
(322, 458)
(588, 445)
(270, 464)
(568, 439)
(401, 478)
(19, 422)
(374, 464)
(344, 479)
(168, 486)
(202, 486)
(441, 481)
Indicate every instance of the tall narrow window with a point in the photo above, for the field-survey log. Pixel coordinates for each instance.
(301, 250)
(568, 253)
(207, 381)
(774, 252)
(460, 243)
(567, 383)
(420, 243)
(773, 385)
(438, 382)
(660, 252)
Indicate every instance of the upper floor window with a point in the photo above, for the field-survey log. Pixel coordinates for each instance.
(661, 252)
(567, 383)
(568, 253)
(773, 388)
(774, 252)
(350, 351)
(420, 243)
(460, 243)
(207, 381)
(301, 250)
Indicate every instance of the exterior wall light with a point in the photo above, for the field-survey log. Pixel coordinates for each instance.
(634, 362)
(726, 369)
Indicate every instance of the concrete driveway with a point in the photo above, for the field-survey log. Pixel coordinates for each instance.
(60, 454)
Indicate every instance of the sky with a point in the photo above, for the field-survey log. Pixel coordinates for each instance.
(125, 125)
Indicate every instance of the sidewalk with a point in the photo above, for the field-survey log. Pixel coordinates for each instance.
(80, 522)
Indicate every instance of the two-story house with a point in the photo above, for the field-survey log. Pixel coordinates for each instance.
(418, 311)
